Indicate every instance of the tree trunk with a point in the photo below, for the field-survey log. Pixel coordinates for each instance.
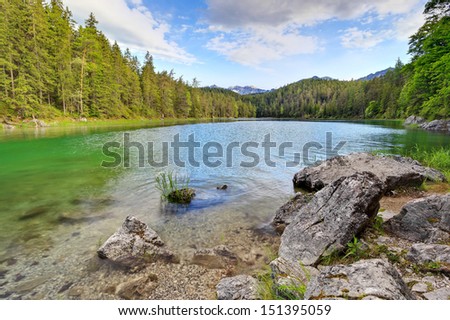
(11, 72)
(38, 63)
(81, 81)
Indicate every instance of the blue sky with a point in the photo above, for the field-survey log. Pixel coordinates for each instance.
(265, 43)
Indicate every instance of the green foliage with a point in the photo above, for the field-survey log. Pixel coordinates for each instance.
(268, 290)
(438, 158)
(174, 188)
(331, 258)
(266, 286)
(433, 265)
(427, 90)
(321, 98)
(354, 249)
(49, 67)
(378, 224)
(290, 292)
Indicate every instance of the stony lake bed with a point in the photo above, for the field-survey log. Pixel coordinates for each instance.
(59, 206)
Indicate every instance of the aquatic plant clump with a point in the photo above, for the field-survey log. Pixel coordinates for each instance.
(174, 187)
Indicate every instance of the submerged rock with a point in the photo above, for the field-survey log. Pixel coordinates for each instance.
(425, 253)
(286, 213)
(182, 196)
(137, 289)
(394, 172)
(135, 243)
(365, 279)
(331, 219)
(218, 257)
(241, 287)
(222, 187)
(26, 286)
(423, 220)
(34, 212)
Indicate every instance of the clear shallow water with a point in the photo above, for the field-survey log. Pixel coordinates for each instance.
(57, 203)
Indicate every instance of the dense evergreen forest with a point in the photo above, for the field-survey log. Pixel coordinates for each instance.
(51, 68)
(421, 87)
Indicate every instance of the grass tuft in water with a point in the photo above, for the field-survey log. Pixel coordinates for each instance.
(174, 187)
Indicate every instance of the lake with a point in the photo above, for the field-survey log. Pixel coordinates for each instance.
(63, 191)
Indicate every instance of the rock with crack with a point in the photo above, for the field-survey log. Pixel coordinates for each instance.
(218, 257)
(137, 289)
(240, 287)
(423, 220)
(365, 279)
(331, 219)
(395, 172)
(135, 244)
(286, 213)
(426, 253)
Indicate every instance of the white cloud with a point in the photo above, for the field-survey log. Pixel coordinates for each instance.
(132, 25)
(403, 27)
(408, 25)
(355, 38)
(252, 32)
(244, 13)
(256, 46)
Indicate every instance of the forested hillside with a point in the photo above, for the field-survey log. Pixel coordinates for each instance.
(322, 98)
(51, 68)
(421, 87)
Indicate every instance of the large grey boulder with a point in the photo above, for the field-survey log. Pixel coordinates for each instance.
(424, 253)
(218, 257)
(240, 287)
(423, 220)
(285, 213)
(413, 120)
(394, 172)
(332, 218)
(133, 244)
(365, 279)
(437, 125)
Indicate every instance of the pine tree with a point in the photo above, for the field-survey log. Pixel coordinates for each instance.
(61, 34)
(150, 91)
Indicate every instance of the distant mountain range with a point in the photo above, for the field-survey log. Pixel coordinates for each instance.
(247, 90)
(244, 90)
(378, 74)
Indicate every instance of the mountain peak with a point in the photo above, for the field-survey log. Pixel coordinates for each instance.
(247, 90)
(378, 74)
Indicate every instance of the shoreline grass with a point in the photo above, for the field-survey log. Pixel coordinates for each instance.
(437, 158)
